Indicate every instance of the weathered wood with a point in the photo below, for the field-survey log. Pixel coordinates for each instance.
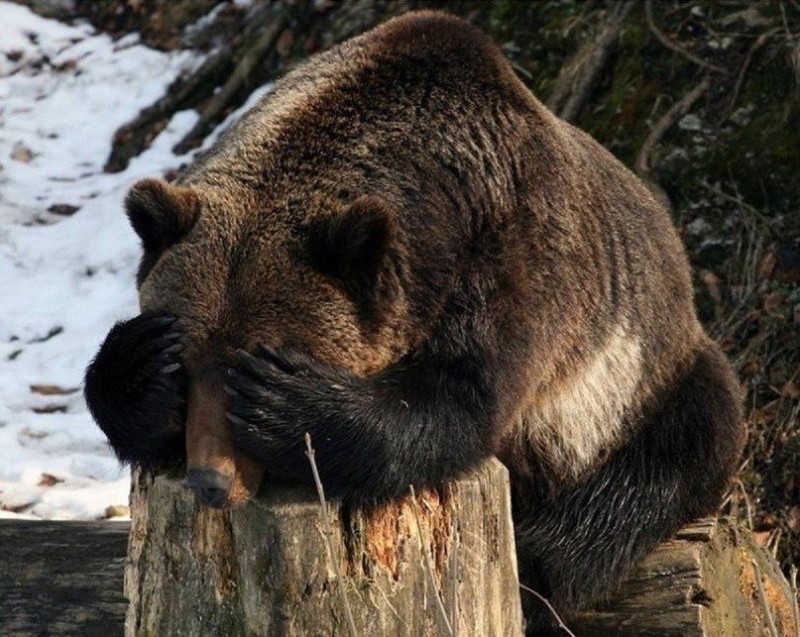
(62, 578)
(703, 583)
(266, 570)
(65, 578)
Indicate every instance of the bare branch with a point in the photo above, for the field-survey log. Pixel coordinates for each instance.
(661, 37)
(580, 75)
(746, 65)
(642, 165)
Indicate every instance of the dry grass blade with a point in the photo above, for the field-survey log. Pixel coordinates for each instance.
(454, 575)
(429, 567)
(795, 599)
(552, 610)
(762, 597)
(328, 533)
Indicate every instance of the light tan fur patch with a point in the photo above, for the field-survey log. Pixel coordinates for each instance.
(584, 418)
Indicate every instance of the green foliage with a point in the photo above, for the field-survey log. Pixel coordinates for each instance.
(730, 167)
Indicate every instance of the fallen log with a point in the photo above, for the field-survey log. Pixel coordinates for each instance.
(266, 570)
(710, 580)
(62, 578)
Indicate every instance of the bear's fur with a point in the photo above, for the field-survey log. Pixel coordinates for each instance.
(402, 252)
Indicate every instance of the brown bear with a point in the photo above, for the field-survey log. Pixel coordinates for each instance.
(402, 252)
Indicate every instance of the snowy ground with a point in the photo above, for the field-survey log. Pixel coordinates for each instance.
(66, 278)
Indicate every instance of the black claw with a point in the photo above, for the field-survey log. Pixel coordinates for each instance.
(267, 350)
(172, 336)
(174, 349)
(229, 390)
(235, 420)
(167, 319)
(276, 360)
(169, 369)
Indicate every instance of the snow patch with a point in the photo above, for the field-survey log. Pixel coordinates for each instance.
(67, 254)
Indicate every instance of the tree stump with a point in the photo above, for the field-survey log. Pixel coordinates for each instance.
(710, 580)
(266, 570)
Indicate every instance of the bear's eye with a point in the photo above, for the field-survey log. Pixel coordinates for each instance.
(161, 214)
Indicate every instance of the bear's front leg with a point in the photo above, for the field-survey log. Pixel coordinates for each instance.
(136, 391)
(418, 423)
(277, 396)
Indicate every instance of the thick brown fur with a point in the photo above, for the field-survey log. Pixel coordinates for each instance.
(442, 270)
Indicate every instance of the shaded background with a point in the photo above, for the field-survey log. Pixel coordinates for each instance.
(701, 99)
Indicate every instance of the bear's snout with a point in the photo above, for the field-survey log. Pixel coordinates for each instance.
(219, 476)
(210, 487)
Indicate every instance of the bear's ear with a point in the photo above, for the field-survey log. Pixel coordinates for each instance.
(161, 214)
(356, 248)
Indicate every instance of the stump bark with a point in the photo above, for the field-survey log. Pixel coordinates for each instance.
(266, 569)
(710, 580)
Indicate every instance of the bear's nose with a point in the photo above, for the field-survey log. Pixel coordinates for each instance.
(210, 487)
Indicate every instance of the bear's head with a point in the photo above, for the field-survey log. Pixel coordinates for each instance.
(323, 277)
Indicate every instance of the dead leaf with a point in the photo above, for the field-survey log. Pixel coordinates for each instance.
(762, 537)
(16, 508)
(68, 65)
(764, 415)
(767, 265)
(53, 390)
(117, 510)
(774, 301)
(63, 209)
(794, 518)
(20, 152)
(48, 480)
(750, 368)
(790, 389)
(712, 283)
(50, 409)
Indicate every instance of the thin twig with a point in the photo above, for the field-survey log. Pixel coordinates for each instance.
(552, 610)
(762, 596)
(747, 504)
(648, 13)
(785, 20)
(328, 533)
(795, 598)
(754, 212)
(580, 75)
(429, 565)
(391, 608)
(746, 65)
(454, 574)
(665, 122)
